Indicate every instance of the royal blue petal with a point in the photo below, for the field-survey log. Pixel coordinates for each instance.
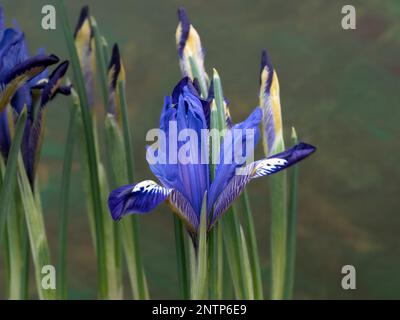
(258, 169)
(228, 164)
(54, 83)
(194, 176)
(138, 198)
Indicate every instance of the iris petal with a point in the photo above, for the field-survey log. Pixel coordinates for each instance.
(228, 162)
(184, 209)
(53, 86)
(270, 105)
(193, 176)
(11, 81)
(136, 198)
(258, 169)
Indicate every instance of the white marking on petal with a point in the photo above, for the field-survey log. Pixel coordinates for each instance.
(149, 186)
(268, 166)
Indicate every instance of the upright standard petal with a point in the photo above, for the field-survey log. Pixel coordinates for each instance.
(190, 51)
(271, 107)
(139, 198)
(233, 153)
(193, 173)
(258, 169)
(85, 46)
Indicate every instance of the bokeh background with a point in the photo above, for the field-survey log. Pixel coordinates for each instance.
(339, 88)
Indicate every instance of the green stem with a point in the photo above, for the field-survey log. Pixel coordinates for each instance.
(101, 62)
(232, 247)
(130, 165)
(26, 262)
(182, 259)
(15, 242)
(253, 247)
(292, 221)
(199, 289)
(91, 152)
(9, 179)
(65, 191)
(37, 232)
(278, 189)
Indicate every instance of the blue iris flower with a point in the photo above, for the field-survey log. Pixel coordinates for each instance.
(183, 185)
(25, 82)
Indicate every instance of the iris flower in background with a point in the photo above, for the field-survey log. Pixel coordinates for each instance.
(37, 89)
(183, 185)
(16, 68)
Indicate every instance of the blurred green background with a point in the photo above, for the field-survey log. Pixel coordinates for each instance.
(339, 88)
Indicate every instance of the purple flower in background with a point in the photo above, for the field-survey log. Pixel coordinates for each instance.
(34, 92)
(183, 185)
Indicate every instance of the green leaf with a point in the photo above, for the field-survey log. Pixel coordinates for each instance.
(199, 289)
(253, 247)
(37, 231)
(10, 176)
(247, 274)
(62, 291)
(292, 221)
(278, 192)
(118, 165)
(182, 258)
(90, 150)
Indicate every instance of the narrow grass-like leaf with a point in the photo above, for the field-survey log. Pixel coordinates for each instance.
(182, 258)
(292, 221)
(116, 152)
(196, 74)
(15, 245)
(4, 244)
(62, 290)
(91, 152)
(101, 62)
(37, 232)
(232, 248)
(247, 274)
(278, 192)
(253, 247)
(10, 175)
(199, 289)
(130, 165)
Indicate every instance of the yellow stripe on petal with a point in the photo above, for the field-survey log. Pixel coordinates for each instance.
(7, 92)
(276, 110)
(270, 104)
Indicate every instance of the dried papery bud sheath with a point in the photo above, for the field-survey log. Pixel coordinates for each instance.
(190, 51)
(271, 107)
(116, 76)
(85, 46)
